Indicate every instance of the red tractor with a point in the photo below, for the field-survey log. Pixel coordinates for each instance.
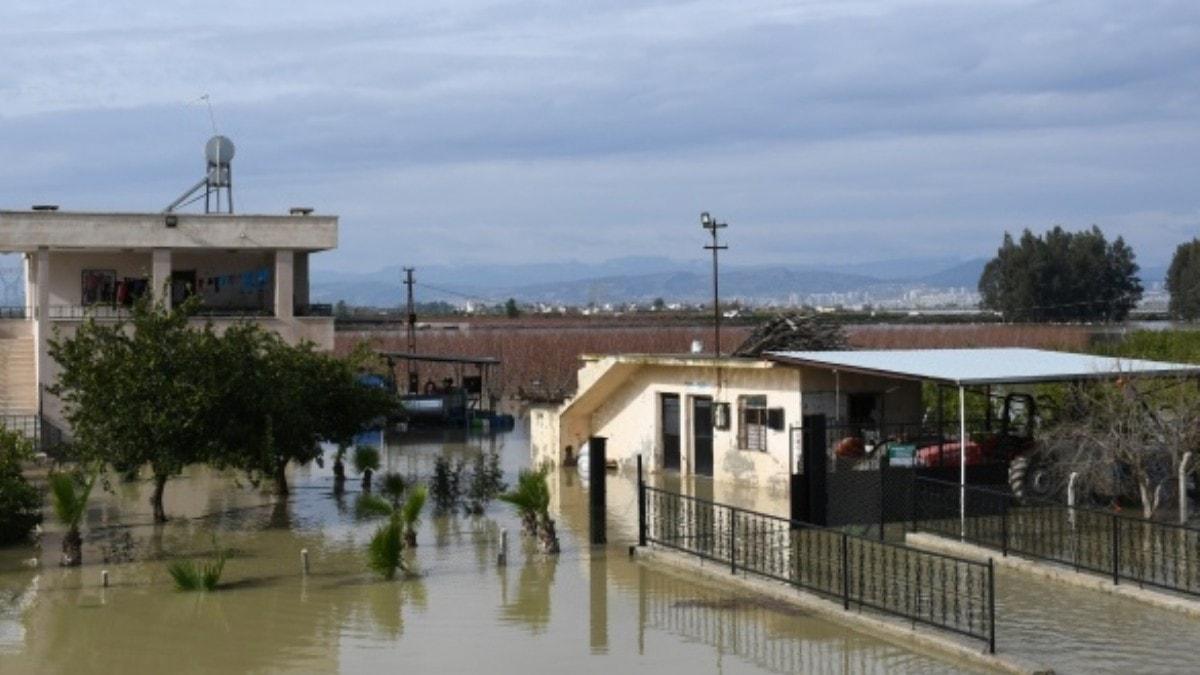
(1013, 444)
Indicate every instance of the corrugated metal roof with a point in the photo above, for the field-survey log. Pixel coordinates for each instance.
(983, 366)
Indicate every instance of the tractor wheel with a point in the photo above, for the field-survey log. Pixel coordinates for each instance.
(1028, 478)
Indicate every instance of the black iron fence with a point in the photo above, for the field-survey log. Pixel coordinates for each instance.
(1150, 553)
(942, 591)
(44, 436)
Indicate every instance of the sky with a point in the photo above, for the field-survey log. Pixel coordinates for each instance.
(495, 131)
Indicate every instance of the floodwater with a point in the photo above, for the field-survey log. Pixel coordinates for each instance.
(586, 610)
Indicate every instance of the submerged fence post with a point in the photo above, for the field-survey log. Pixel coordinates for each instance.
(1116, 549)
(502, 555)
(641, 503)
(991, 606)
(104, 578)
(1071, 498)
(304, 561)
(597, 488)
(845, 571)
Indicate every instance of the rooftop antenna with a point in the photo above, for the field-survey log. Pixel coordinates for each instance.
(218, 174)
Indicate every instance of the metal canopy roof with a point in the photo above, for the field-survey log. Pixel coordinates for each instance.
(441, 358)
(967, 367)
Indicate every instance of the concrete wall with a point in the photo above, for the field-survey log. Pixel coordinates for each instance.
(28, 230)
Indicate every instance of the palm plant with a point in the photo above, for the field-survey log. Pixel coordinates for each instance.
(339, 469)
(531, 498)
(69, 494)
(366, 462)
(190, 576)
(410, 514)
(393, 487)
(384, 551)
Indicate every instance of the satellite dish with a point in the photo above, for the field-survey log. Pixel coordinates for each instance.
(219, 150)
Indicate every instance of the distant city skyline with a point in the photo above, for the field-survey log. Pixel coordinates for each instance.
(523, 132)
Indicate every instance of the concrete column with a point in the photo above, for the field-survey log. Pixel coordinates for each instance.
(41, 308)
(300, 283)
(285, 279)
(160, 275)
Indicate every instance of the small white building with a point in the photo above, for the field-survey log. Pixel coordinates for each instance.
(244, 267)
(734, 419)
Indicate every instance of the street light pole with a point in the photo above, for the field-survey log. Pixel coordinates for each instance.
(709, 223)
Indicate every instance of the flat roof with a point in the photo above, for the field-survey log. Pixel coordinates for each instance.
(82, 230)
(967, 367)
(442, 358)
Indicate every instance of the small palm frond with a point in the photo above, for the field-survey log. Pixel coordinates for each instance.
(185, 574)
(370, 506)
(383, 553)
(366, 457)
(410, 512)
(70, 497)
(393, 486)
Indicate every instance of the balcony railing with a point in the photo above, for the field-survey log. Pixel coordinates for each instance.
(314, 310)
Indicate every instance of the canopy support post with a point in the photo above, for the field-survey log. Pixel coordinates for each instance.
(962, 461)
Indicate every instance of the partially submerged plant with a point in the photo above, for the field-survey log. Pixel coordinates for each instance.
(69, 494)
(486, 482)
(366, 462)
(446, 486)
(384, 552)
(192, 576)
(410, 514)
(393, 486)
(531, 498)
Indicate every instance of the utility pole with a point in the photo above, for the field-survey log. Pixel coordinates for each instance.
(410, 328)
(710, 223)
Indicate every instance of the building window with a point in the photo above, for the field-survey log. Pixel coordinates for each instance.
(752, 423)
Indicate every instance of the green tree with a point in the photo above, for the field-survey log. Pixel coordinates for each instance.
(1183, 281)
(1061, 276)
(20, 502)
(280, 401)
(659, 304)
(141, 392)
(511, 310)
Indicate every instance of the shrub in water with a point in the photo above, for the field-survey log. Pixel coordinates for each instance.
(385, 549)
(366, 462)
(486, 482)
(20, 503)
(191, 576)
(446, 487)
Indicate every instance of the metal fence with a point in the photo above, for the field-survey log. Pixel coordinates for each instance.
(942, 591)
(1151, 553)
(44, 436)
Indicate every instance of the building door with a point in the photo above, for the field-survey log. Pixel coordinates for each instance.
(669, 410)
(702, 434)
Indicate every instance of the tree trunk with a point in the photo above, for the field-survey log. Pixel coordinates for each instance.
(366, 483)
(156, 500)
(529, 523)
(410, 537)
(281, 484)
(548, 537)
(72, 548)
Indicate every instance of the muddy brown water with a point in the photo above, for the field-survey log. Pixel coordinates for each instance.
(588, 610)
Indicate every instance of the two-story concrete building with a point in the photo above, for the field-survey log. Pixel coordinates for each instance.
(243, 267)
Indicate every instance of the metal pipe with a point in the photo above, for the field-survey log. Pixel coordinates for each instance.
(962, 461)
(1071, 498)
(1183, 503)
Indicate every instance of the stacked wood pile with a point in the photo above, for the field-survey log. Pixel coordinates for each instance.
(794, 332)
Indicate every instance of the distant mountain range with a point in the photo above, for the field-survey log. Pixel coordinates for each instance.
(642, 279)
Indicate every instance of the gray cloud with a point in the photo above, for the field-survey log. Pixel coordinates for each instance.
(532, 130)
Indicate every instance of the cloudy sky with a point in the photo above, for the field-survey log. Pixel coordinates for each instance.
(533, 131)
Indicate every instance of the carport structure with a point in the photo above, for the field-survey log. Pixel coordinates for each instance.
(972, 369)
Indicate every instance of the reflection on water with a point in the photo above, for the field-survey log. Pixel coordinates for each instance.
(589, 609)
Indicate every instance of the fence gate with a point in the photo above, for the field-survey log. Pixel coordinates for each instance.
(809, 491)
